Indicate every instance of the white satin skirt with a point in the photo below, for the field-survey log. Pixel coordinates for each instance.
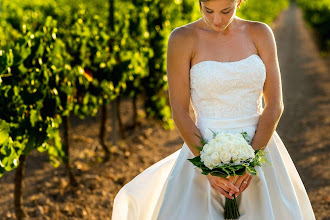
(174, 189)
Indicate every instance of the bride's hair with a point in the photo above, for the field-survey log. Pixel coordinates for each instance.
(200, 4)
(209, 0)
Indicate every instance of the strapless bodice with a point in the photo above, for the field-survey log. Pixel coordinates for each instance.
(227, 90)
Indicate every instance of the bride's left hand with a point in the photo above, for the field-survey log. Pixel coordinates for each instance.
(242, 182)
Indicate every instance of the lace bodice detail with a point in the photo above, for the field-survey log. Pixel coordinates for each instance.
(227, 89)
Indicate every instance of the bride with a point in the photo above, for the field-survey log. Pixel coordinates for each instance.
(224, 65)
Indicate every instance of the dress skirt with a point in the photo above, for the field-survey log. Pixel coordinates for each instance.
(174, 189)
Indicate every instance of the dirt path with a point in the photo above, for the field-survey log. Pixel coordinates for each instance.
(304, 129)
(304, 126)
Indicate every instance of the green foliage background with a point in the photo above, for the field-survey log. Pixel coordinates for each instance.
(61, 57)
(317, 14)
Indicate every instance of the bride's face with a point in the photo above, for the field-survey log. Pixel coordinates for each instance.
(218, 14)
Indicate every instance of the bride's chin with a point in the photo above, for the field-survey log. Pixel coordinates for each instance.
(217, 28)
(220, 29)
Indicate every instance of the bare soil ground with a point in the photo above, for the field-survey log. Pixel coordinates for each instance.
(304, 129)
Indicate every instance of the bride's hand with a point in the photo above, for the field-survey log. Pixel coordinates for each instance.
(223, 185)
(242, 183)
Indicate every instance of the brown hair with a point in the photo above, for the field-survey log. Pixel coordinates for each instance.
(200, 4)
(209, 0)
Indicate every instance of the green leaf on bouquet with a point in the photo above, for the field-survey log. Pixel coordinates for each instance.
(232, 169)
(198, 148)
(219, 174)
(250, 169)
(197, 161)
(246, 136)
(202, 141)
(260, 158)
(198, 136)
(227, 171)
(205, 172)
(238, 171)
(214, 134)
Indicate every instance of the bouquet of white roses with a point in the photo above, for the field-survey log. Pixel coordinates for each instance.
(228, 154)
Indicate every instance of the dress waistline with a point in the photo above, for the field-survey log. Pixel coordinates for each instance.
(202, 122)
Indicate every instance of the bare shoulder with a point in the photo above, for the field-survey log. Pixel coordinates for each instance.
(259, 26)
(187, 30)
(179, 53)
(260, 30)
(184, 31)
(262, 34)
(183, 37)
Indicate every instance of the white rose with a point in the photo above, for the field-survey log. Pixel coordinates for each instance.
(207, 149)
(210, 162)
(221, 137)
(244, 154)
(216, 158)
(205, 159)
(243, 142)
(212, 142)
(220, 147)
(225, 156)
(235, 152)
(225, 147)
(251, 151)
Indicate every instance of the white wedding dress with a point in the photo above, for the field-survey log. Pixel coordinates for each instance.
(226, 96)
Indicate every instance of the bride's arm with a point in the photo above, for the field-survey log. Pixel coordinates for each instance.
(265, 43)
(272, 92)
(179, 53)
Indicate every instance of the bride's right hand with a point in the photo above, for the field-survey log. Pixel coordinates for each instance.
(223, 185)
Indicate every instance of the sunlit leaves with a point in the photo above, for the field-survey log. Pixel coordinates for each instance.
(4, 131)
(32, 92)
(317, 15)
(264, 11)
(58, 57)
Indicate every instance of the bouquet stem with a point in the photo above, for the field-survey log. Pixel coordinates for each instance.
(231, 209)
